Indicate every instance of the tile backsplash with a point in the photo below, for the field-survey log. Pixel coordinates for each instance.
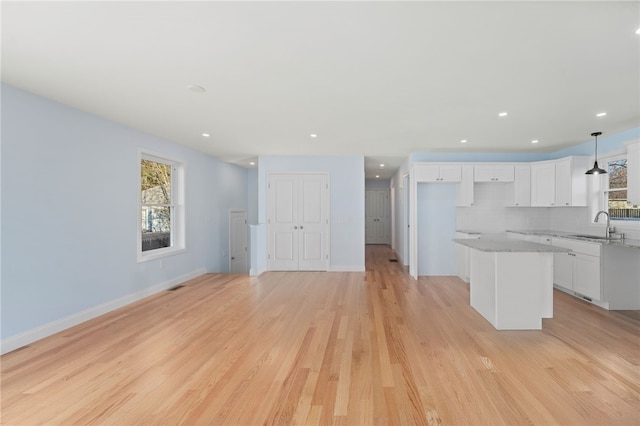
(489, 214)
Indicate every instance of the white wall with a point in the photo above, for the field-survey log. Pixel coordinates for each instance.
(490, 214)
(346, 176)
(70, 216)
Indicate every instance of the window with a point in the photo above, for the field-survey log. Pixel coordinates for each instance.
(161, 224)
(615, 191)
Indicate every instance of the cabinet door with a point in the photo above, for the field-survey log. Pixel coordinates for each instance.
(563, 183)
(450, 173)
(543, 181)
(522, 186)
(563, 270)
(464, 190)
(586, 275)
(503, 173)
(427, 173)
(483, 173)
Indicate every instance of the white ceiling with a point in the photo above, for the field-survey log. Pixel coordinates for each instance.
(379, 79)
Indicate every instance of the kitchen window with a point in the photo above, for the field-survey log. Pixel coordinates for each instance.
(160, 212)
(614, 194)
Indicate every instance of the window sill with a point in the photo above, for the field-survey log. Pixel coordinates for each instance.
(159, 253)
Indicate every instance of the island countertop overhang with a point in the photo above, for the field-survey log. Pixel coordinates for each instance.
(509, 246)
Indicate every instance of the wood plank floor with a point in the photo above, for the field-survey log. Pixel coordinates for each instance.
(327, 348)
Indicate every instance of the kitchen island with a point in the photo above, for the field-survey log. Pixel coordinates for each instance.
(511, 281)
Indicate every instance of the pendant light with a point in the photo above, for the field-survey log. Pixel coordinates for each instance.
(595, 169)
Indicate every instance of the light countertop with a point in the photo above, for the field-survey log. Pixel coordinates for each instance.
(507, 245)
(627, 242)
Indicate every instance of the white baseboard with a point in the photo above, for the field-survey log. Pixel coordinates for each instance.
(348, 268)
(14, 342)
(400, 259)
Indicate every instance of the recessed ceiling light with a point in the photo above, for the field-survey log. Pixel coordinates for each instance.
(535, 141)
(638, 31)
(601, 114)
(196, 89)
(252, 163)
(381, 165)
(313, 135)
(503, 114)
(377, 176)
(463, 141)
(206, 135)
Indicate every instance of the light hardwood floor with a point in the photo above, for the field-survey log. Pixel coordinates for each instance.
(327, 348)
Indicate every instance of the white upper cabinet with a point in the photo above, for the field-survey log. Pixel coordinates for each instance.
(571, 181)
(543, 184)
(519, 192)
(559, 183)
(464, 189)
(493, 173)
(633, 173)
(437, 172)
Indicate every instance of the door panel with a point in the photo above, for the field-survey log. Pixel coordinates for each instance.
(313, 230)
(283, 197)
(312, 200)
(285, 191)
(238, 242)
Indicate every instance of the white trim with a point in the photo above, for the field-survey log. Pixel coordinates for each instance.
(14, 342)
(347, 268)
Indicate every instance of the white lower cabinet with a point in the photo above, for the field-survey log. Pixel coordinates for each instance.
(586, 275)
(580, 269)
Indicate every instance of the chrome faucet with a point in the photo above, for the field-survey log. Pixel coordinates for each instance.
(609, 229)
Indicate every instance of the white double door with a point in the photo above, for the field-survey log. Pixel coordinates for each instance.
(298, 222)
(377, 216)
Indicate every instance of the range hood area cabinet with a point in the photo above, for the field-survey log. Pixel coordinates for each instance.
(559, 183)
(493, 173)
(444, 173)
(633, 173)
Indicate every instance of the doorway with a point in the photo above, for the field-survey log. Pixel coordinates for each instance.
(377, 209)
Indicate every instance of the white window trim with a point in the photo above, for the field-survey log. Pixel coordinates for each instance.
(178, 234)
(600, 185)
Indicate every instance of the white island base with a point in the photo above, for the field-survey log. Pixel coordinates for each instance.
(512, 290)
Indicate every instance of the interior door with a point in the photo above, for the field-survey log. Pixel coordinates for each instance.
(283, 222)
(377, 216)
(238, 242)
(313, 222)
(298, 222)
